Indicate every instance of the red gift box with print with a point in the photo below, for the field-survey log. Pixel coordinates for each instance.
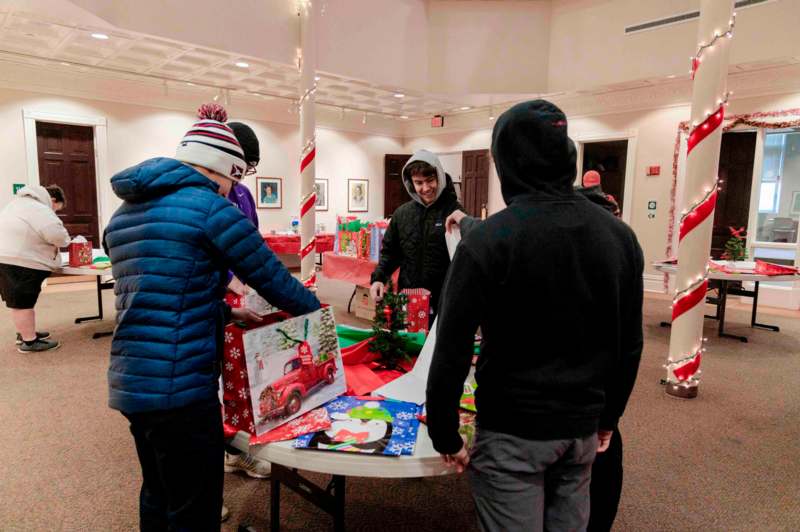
(417, 309)
(237, 412)
(80, 252)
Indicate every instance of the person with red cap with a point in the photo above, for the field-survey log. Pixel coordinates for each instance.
(593, 190)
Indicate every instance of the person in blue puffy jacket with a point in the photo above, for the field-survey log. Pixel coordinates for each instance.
(171, 244)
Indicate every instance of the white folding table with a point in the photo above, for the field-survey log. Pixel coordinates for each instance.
(287, 461)
(99, 274)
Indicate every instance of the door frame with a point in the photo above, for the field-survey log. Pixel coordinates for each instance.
(100, 139)
(631, 136)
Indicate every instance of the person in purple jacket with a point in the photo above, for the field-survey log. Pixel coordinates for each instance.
(240, 195)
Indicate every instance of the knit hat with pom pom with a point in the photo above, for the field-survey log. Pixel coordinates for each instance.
(211, 144)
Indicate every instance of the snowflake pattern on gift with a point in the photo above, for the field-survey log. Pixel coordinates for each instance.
(236, 353)
(243, 393)
(421, 314)
(228, 337)
(251, 428)
(229, 385)
(235, 419)
(242, 374)
(228, 366)
(246, 413)
(367, 425)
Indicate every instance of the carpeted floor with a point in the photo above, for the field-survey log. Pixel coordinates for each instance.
(728, 460)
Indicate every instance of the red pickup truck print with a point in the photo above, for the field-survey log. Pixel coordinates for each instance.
(301, 375)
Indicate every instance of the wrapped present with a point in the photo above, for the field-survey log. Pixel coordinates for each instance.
(250, 300)
(377, 232)
(417, 309)
(312, 421)
(80, 252)
(279, 369)
(467, 401)
(350, 238)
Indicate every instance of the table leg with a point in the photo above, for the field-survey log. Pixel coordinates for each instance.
(723, 300)
(352, 296)
(753, 322)
(99, 304)
(330, 500)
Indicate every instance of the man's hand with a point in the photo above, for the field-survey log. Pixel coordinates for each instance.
(603, 440)
(453, 220)
(236, 286)
(377, 290)
(244, 314)
(460, 460)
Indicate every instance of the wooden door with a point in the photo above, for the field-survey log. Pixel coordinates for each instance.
(66, 159)
(610, 159)
(736, 157)
(394, 192)
(475, 181)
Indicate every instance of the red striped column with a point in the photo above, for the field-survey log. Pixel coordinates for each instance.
(309, 13)
(709, 74)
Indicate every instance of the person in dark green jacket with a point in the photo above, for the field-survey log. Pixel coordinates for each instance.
(414, 240)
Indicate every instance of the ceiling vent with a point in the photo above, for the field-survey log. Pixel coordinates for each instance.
(685, 17)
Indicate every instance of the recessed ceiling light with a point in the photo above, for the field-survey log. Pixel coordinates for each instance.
(242, 64)
(399, 95)
(672, 76)
(465, 108)
(65, 63)
(100, 36)
(316, 78)
(190, 83)
(404, 117)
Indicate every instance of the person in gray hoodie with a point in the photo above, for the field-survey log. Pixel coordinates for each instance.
(414, 240)
(29, 252)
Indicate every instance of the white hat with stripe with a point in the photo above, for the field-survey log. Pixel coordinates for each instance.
(211, 144)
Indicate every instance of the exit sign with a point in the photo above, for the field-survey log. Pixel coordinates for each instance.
(17, 186)
(437, 121)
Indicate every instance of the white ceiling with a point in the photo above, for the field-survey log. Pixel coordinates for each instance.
(26, 37)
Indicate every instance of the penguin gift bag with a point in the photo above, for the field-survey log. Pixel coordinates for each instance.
(367, 425)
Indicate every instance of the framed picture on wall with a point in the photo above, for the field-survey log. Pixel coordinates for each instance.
(270, 192)
(357, 195)
(321, 189)
(796, 202)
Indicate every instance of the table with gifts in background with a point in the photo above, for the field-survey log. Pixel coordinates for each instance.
(306, 394)
(81, 259)
(289, 244)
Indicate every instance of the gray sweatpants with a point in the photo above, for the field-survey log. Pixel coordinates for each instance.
(531, 485)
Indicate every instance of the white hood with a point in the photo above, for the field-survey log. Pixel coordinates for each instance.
(37, 192)
(431, 159)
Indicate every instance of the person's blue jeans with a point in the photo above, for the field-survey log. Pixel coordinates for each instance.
(531, 485)
(181, 452)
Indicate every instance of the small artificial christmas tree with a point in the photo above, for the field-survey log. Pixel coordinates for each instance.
(734, 247)
(390, 319)
(328, 340)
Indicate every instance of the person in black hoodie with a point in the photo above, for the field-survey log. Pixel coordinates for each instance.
(555, 284)
(414, 240)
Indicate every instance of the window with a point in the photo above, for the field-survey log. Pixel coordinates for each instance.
(779, 189)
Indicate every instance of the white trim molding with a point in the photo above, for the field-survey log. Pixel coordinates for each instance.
(105, 198)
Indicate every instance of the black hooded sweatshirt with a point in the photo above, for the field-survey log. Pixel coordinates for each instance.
(555, 283)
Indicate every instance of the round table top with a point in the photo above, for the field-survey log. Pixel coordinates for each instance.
(425, 462)
(723, 276)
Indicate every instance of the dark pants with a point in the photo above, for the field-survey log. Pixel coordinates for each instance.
(181, 452)
(606, 486)
(531, 485)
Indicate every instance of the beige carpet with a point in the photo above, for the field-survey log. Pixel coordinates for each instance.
(728, 460)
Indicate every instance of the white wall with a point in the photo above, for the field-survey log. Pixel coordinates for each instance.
(136, 133)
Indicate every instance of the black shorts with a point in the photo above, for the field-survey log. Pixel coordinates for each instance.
(19, 286)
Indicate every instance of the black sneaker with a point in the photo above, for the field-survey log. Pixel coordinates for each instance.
(40, 335)
(37, 346)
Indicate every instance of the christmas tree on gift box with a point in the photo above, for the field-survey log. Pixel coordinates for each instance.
(390, 319)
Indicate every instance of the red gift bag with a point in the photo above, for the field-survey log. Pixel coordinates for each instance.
(417, 309)
(80, 252)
